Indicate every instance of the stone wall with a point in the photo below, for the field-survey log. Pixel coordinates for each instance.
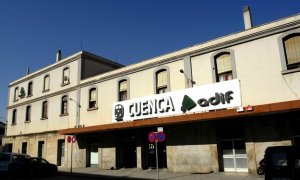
(50, 141)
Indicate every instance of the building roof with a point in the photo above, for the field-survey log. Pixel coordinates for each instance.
(64, 61)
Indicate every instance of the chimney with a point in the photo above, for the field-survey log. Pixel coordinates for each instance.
(58, 55)
(247, 17)
(28, 70)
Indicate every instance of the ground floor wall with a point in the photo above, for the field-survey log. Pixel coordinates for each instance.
(200, 147)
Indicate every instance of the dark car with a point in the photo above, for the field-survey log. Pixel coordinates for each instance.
(32, 166)
(8, 158)
(282, 162)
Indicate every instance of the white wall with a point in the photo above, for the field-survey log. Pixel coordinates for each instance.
(54, 121)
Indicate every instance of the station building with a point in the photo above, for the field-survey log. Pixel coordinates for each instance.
(220, 104)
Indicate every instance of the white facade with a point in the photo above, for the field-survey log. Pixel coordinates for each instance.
(258, 61)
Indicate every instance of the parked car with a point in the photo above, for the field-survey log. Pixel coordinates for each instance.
(282, 162)
(6, 159)
(32, 166)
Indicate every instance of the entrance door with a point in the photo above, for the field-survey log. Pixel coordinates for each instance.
(94, 155)
(149, 154)
(126, 149)
(234, 155)
(60, 152)
(41, 149)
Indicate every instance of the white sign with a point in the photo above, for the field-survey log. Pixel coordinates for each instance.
(220, 95)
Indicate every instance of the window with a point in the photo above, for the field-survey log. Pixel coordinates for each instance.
(14, 117)
(28, 114)
(223, 67)
(16, 95)
(66, 74)
(123, 88)
(45, 110)
(92, 98)
(64, 105)
(29, 91)
(161, 81)
(292, 51)
(46, 83)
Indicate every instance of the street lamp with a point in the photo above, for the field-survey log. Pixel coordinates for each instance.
(77, 112)
(188, 79)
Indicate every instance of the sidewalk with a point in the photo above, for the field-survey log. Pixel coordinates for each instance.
(133, 173)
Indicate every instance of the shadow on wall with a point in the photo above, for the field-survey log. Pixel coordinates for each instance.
(267, 128)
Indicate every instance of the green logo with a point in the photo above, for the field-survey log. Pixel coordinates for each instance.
(187, 104)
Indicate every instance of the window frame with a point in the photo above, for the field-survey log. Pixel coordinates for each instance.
(119, 93)
(14, 117)
(45, 115)
(63, 76)
(44, 83)
(28, 114)
(89, 98)
(30, 89)
(282, 51)
(214, 66)
(155, 74)
(66, 112)
(16, 94)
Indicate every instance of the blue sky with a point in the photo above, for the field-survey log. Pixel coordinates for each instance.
(126, 31)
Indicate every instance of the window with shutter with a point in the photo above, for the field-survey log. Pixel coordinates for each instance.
(292, 51)
(123, 90)
(161, 82)
(93, 98)
(224, 67)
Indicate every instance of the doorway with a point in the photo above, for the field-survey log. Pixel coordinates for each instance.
(94, 156)
(149, 154)
(126, 149)
(60, 152)
(24, 148)
(41, 149)
(234, 155)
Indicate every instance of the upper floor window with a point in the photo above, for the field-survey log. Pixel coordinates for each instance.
(14, 117)
(45, 110)
(47, 83)
(64, 105)
(29, 90)
(28, 114)
(66, 76)
(161, 81)
(223, 67)
(123, 89)
(16, 94)
(92, 98)
(292, 51)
